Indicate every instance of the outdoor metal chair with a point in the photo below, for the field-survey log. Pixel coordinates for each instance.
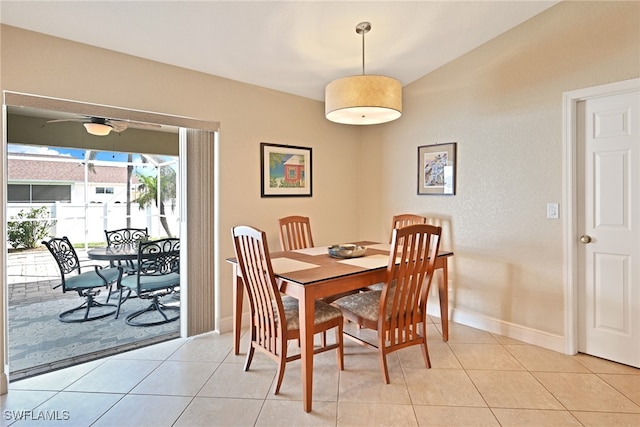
(157, 276)
(125, 237)
(86, 284)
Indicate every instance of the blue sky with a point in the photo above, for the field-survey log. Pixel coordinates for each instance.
(67, 152)
(109, 156)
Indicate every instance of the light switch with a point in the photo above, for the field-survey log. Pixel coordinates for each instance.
(552, 211)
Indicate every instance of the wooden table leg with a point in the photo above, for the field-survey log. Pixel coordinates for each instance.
(443, 295)
(307, 307)
(237, 309)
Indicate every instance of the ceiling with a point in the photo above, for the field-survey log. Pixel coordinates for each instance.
(291, 46)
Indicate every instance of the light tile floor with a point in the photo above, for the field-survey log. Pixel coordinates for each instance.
(477, 379)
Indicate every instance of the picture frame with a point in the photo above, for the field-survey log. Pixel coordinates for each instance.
(285, 171)
(437, 169)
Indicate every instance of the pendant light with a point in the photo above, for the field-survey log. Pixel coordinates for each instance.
(363, 100)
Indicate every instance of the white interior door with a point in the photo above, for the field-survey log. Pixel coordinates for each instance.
(608, 227)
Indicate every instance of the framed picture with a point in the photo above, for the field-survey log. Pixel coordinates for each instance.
(437, 169)
(285, 171)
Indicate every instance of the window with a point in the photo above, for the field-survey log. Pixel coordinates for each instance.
(28, 193)
(104, 190)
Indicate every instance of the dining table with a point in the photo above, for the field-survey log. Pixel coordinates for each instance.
(311, 273)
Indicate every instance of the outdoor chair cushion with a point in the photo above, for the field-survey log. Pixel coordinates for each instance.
(89, 278)
(150, 283)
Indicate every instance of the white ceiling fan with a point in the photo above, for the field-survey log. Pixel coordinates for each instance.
(100, 126)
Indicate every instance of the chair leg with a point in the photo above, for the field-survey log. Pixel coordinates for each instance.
(119, 302)
(247, 361)
(280, 374)
(425, 354)
(122, 299)
(86, 306)
(109, 291)
(383, 357)
(383, 366)
(424, 347)
(340, 349)
(156, 305)
(281, 365)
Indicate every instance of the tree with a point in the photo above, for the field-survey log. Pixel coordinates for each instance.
(148, 189)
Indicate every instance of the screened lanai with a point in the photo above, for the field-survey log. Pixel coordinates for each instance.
(80, 185)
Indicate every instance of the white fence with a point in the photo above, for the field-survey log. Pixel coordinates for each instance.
(72, 222)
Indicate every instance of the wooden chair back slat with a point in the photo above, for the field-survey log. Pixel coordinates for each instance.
(295, 233)
(403, 220)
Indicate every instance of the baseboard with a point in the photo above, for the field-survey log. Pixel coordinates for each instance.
(484, 323)
(226, 324)
(511, 330)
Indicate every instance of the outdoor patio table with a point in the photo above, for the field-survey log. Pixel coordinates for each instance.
(123, 253)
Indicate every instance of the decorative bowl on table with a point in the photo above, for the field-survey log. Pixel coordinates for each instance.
(346, 250)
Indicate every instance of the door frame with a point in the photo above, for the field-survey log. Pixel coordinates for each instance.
(197, 168)
(570, 241)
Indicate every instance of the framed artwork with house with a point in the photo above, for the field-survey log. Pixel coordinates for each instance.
(437, 169)
(285, 171)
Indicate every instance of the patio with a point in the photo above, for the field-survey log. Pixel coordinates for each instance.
(39, 342)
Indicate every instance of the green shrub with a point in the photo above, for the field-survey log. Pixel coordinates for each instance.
(29, 230)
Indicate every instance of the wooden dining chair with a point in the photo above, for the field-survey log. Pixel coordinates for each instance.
(403, 220)
(399, 221)
(274, 317)
(398, 311)
(295, 233)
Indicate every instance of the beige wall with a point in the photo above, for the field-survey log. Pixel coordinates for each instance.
(502, 104)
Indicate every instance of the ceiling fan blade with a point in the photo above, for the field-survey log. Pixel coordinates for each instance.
(66, 120)
(117, 126)
(129, 123)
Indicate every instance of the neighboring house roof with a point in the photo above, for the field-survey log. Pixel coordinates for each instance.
(43, 168)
